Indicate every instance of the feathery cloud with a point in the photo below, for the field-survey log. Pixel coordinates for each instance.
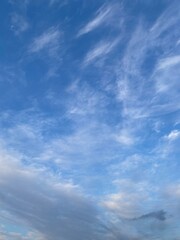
(100, 51)
(49, 40)
(169, 62)
(102, 16)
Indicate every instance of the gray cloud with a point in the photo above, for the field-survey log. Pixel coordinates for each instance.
(160, 215)
(54, 209)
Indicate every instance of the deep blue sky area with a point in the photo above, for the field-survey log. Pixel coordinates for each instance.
(90, 120)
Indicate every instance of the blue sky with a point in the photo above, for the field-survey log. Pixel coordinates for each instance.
(90, 120)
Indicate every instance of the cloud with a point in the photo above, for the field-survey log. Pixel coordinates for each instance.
(5, 235)
(50, 207)
(161, 25)
(88, 100)
(160, 215)
(145, 70)
(167, 146)
(131, 199)
(173, 135)
(132, 162)
(51, 2)
(49, 41)
(96, 128)
(173, 191)
(60, 3)
(20, 4)
(169, 62)
(125, 137)
(102, 16)
(100, 51)
(18, 24)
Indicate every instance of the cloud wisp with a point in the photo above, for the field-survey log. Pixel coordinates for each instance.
(169, 62)
(48, 41)
(18, 24)
(160, 81)
(100, 51)
(102, 16)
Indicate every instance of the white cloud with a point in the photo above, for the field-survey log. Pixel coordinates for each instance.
(47, 46)
(162, 24)
(87, 100)
(132, 162)
(123, 204)
(168, 145)
(131, 199)
(50, 41)
(169, 62)
(173, 135)
(125, 138)
(159, 84)
(101, 50)
(102, 16)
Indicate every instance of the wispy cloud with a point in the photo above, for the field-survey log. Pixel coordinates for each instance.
(102, 16)
(168, 145)
(173, 135)
(18, 23)
(155, 81)
(82, 132)
(169, 62)
(20, 4)
(101, 50)
(161, 25)
(129, 201)
(125, 137)
(60, 3)
(50, 41)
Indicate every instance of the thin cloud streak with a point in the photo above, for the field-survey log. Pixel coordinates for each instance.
(101, 50)
(102, 16)
(169, 62)
(49, 40)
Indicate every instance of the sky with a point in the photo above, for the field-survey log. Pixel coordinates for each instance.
(90, 120)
